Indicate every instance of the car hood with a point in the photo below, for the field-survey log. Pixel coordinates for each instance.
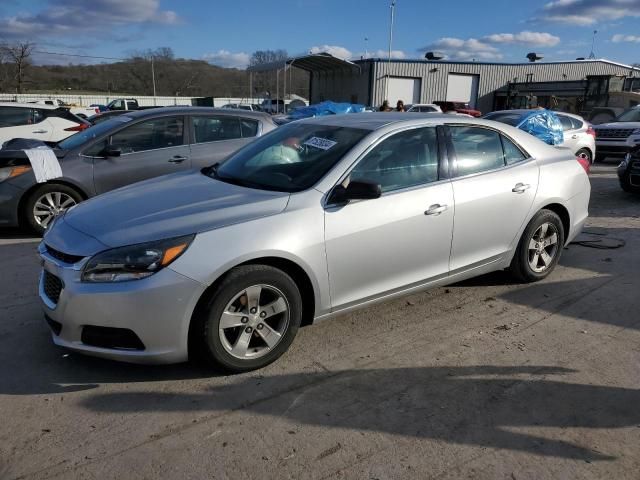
(621, 125)
(170, 206)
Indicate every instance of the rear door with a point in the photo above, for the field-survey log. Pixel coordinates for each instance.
(149, 148)
(216, 137)
(571, 135)
(494, 185)
(21, 122)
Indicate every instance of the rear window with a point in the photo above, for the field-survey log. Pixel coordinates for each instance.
(512, 119)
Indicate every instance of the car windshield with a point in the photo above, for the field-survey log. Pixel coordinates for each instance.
(512, 119)
(631, 115)
(289, 159)
(90, 133)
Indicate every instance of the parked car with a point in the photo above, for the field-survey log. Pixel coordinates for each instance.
(125, 104)
(243, 106)
(617, 138)
(123, 150)
(316, 218)
(42, 122)
(458, 107)
(103, 116)
(82, 112)
(578, 135)
(629, 171)
(423, 108)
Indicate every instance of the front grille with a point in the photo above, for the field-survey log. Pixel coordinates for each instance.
(52, 286)
(613, 132)
(635, 166)
(63, 257)
(56, 327)
(109, 337)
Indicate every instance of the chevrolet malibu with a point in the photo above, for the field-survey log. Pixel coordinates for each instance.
(312, 220)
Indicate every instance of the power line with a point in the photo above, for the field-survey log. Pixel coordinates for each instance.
(76, 55)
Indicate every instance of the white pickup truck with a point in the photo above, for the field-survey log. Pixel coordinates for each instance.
(616, 138)
(82, 112)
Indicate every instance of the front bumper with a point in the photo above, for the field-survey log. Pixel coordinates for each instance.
(9, 204)
(616, 147)
(156, 309)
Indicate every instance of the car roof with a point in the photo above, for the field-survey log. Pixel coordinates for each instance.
(43, 106)
(184, 110)
(377, 120)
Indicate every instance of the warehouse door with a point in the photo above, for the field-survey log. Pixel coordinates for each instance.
(404, 88)
(462, 88)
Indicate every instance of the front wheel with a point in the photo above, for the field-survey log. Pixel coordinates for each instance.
(251, 320)
(539, 248)
(47, 201)
(585, 154)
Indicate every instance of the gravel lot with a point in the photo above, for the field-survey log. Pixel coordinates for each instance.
(485, 379)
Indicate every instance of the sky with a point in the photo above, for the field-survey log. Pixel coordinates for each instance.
(225, 32)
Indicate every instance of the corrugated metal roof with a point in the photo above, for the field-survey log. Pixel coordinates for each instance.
(319, 62)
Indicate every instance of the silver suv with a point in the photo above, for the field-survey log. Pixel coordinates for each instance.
(617, 138)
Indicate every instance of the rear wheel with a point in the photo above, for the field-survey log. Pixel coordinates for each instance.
(586, 154)
(251, 320)
(47, 201)
(539, 248)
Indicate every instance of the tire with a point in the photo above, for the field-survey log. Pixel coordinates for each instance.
(241, 346)
(525, 257)
(586, 154)
(627, 187)
(52, 196)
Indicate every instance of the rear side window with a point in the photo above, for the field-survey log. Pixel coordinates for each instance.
(153, 134)
(216, 128)
(512, 154)
(577, 124)
(249, 127)
(15, 116)
(476, 149)
(566, 122)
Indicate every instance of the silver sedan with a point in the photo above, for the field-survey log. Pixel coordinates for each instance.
(316, 218)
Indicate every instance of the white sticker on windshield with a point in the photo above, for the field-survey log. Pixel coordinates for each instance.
(321, 143)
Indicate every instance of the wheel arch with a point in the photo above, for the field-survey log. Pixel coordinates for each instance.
(564, 215)
(58, 181)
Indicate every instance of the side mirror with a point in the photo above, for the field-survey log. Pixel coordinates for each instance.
(356, 190)
(110, 151)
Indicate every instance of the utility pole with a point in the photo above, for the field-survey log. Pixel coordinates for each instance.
(153, 80)
(393, 10)
(592, 55)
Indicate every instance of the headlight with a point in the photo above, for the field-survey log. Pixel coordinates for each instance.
(636, 132)
(134, 262)
(10, 172)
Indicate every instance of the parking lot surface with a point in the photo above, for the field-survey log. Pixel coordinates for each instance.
(484, 379)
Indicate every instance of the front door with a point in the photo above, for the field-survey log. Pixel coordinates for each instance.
(494, 185)
(147, 149)
(398, 240)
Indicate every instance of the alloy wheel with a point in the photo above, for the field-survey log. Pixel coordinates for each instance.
(254, 322)
(49, 205)
(543, 247)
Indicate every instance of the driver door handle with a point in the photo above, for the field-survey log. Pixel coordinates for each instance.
(177, 159)
(40, 131)
(520, 187)
(435, 209)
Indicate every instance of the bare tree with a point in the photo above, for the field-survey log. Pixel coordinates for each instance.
(19, 54)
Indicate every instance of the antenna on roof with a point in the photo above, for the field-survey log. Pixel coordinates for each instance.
(592, 55)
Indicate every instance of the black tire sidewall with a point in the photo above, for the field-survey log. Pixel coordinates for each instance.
(237, 280)
(588, 153)
(27, 213)
(520, 266)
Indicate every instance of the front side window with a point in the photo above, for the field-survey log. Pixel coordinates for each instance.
(291, 158)
(15, 116)
(476, 149)
(215, 128)
(403, 160)
(153, 134)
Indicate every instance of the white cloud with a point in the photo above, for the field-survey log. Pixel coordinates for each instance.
(227, 59)
(397, 54)
(537, 39)
(588, 12)
(74, 17)
(625, 38)
(334, 50)
(461, 49)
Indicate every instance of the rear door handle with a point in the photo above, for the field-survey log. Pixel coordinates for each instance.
(40, 131)
(177, 159)
(435, 209)
(520, 187)
(574, 136)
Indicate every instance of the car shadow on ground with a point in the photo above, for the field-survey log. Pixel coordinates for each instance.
(427, 402)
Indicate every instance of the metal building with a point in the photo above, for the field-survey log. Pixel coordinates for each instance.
(485, 86)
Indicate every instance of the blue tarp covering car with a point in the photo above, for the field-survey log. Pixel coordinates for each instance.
(543, 124)
(321, 109)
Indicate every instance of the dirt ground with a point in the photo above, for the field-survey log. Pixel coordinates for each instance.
(486, 379)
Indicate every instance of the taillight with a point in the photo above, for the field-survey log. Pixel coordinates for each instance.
(586, 164)
(591, 131)
(77, 128)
